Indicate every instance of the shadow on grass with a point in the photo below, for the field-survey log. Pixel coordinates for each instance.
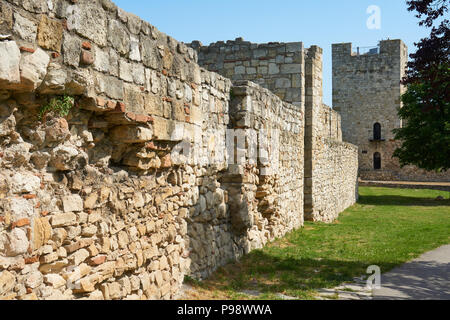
(293, 276)
(385, 200)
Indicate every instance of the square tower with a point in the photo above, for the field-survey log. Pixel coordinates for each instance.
(367, 93)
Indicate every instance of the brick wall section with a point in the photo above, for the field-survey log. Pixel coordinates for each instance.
(331, 166)
(284, 68)
(367, 90)
(278, 67)
(263, 204)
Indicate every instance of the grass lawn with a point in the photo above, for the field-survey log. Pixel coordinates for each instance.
(386, 228)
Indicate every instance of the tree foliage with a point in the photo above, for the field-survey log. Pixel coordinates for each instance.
(425, 135)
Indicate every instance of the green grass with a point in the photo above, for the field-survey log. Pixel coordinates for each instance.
(386, 228)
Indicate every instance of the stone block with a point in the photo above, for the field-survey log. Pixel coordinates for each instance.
(72, 203)
(24, 28)
(42, 232)
(167, 130)
(291, 68)
(16, 242)
(54, 280)
(6, 19)
(118, 37)
(81, 17)
(7, 282)
(131, 134)
(63, 219)
(102, 59)
(71, 50)
(10, 63)
(50, 34)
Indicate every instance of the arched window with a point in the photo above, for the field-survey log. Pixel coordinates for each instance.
(377, 161)
(377, 131)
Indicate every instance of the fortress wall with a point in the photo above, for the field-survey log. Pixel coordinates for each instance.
(331, 166)
(132, 189)
(264, 183)
(335, 179)
(367, 90)
(278, 67)
(329, 123)
(283, 68)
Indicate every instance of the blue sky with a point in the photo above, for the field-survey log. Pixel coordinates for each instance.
(315, 22)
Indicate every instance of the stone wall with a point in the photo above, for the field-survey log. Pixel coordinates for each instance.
(278, 67)
(367, 90)
(333, 186)
(264, 185)
(331, 166)
(295, 75)
(134, 188)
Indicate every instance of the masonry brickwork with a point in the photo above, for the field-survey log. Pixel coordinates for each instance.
(135, 188)
(367, 91)
(278, 67)
(294, 73)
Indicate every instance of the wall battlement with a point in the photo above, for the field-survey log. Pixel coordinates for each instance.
(276, 66)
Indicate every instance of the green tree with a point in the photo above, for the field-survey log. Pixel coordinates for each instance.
(425, 135)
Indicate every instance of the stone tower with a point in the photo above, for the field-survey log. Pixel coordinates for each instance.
(366, 92)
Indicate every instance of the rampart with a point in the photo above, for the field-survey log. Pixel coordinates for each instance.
(294, 73)
(124, 165)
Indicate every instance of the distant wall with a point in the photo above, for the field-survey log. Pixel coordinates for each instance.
(278, 67)
(295, 75)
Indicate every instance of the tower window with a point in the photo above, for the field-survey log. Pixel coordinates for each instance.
(377, 131)
(377, 161)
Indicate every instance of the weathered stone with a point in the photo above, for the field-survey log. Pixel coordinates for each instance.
(34, 68)
(135, 53)
(9, 64)
(79, 256)
(7, 282)
(54, 267)
(80, 19)
(25, 183)
(63, 219)
(54, 82)
(114, 290)
(6, 18)
(63, 157)
(54, 280)
(71, 50)
(83, 243)
(34, 280)
(42, 232)
(167, 130)
(16, 242)
(25, 28)
(118, 37)
(50, 34)
(101, 62)
(112, 86)
(49, 258)
(72, 203)
(131, 134)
